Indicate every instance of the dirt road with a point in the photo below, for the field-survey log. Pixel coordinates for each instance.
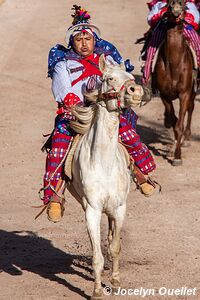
(40, 260)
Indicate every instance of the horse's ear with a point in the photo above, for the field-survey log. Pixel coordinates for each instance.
(102, 63)
(122, 66)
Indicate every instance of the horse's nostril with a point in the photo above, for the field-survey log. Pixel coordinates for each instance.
(131, 89)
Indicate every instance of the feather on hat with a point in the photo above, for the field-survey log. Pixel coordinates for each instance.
(81, 19)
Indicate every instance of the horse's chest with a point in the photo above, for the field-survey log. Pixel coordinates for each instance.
(105, 189)
(169, 86)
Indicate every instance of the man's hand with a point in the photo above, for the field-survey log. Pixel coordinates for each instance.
(70, 100)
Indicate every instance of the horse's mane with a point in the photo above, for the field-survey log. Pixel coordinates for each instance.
(84, 115)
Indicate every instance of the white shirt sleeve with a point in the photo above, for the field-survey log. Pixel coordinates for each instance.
(192, 9)
(155, 10)
(61, 81)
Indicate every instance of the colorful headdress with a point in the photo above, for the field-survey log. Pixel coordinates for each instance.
(81, 19)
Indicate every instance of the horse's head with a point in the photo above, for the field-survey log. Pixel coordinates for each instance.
(176, 7)
(119, 89)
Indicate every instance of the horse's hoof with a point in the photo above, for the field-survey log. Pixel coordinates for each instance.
(177, 162)
(185, 144)
(115, 286)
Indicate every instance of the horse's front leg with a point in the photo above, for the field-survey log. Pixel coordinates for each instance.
(93, 219)
(110, 235)
(169, 115)
(179, 128)
(187, 132)
(115, 246)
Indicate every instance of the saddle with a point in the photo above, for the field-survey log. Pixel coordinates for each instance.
(69, 158)
(137, 176)
(70, 155)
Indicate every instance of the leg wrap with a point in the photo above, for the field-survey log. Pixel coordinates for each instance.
(194, 39)
(60, 144)
(138, 150)
(154, 43)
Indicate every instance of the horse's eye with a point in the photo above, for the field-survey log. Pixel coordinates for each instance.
(110, 78)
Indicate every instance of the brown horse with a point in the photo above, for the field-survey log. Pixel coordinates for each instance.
(174, 77)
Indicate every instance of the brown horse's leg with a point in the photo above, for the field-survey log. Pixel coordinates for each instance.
(187, 132)
(170, 118)
(179, 128)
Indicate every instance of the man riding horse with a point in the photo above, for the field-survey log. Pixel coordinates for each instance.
(175, 68)
(72, 70)
(154, 37)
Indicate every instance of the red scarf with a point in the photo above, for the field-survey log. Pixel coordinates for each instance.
(90, 64)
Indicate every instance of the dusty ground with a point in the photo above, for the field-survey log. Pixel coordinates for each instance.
(40, 260)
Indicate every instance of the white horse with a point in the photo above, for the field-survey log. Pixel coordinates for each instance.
(100, 177)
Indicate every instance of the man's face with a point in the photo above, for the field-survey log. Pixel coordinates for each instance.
(83, 44)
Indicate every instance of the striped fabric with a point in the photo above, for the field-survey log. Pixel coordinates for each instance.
(138, 151)
(190, 34)
(60, 144)
(154, 44)
(130, 116)
(194, 39)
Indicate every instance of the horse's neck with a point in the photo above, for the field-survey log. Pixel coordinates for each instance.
(174, 45)
(103, 136)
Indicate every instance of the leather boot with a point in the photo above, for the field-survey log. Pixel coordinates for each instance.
(55, 209)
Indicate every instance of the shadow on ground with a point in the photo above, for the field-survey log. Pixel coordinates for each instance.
(21, 250)
(154, 138)
(159, 139)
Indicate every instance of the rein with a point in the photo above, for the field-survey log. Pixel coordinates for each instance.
(112, 101)
(110, 96)
(115, 95)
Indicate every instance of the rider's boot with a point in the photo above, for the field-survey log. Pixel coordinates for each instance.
(147, 189)
(55, 209)
(145, 184)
